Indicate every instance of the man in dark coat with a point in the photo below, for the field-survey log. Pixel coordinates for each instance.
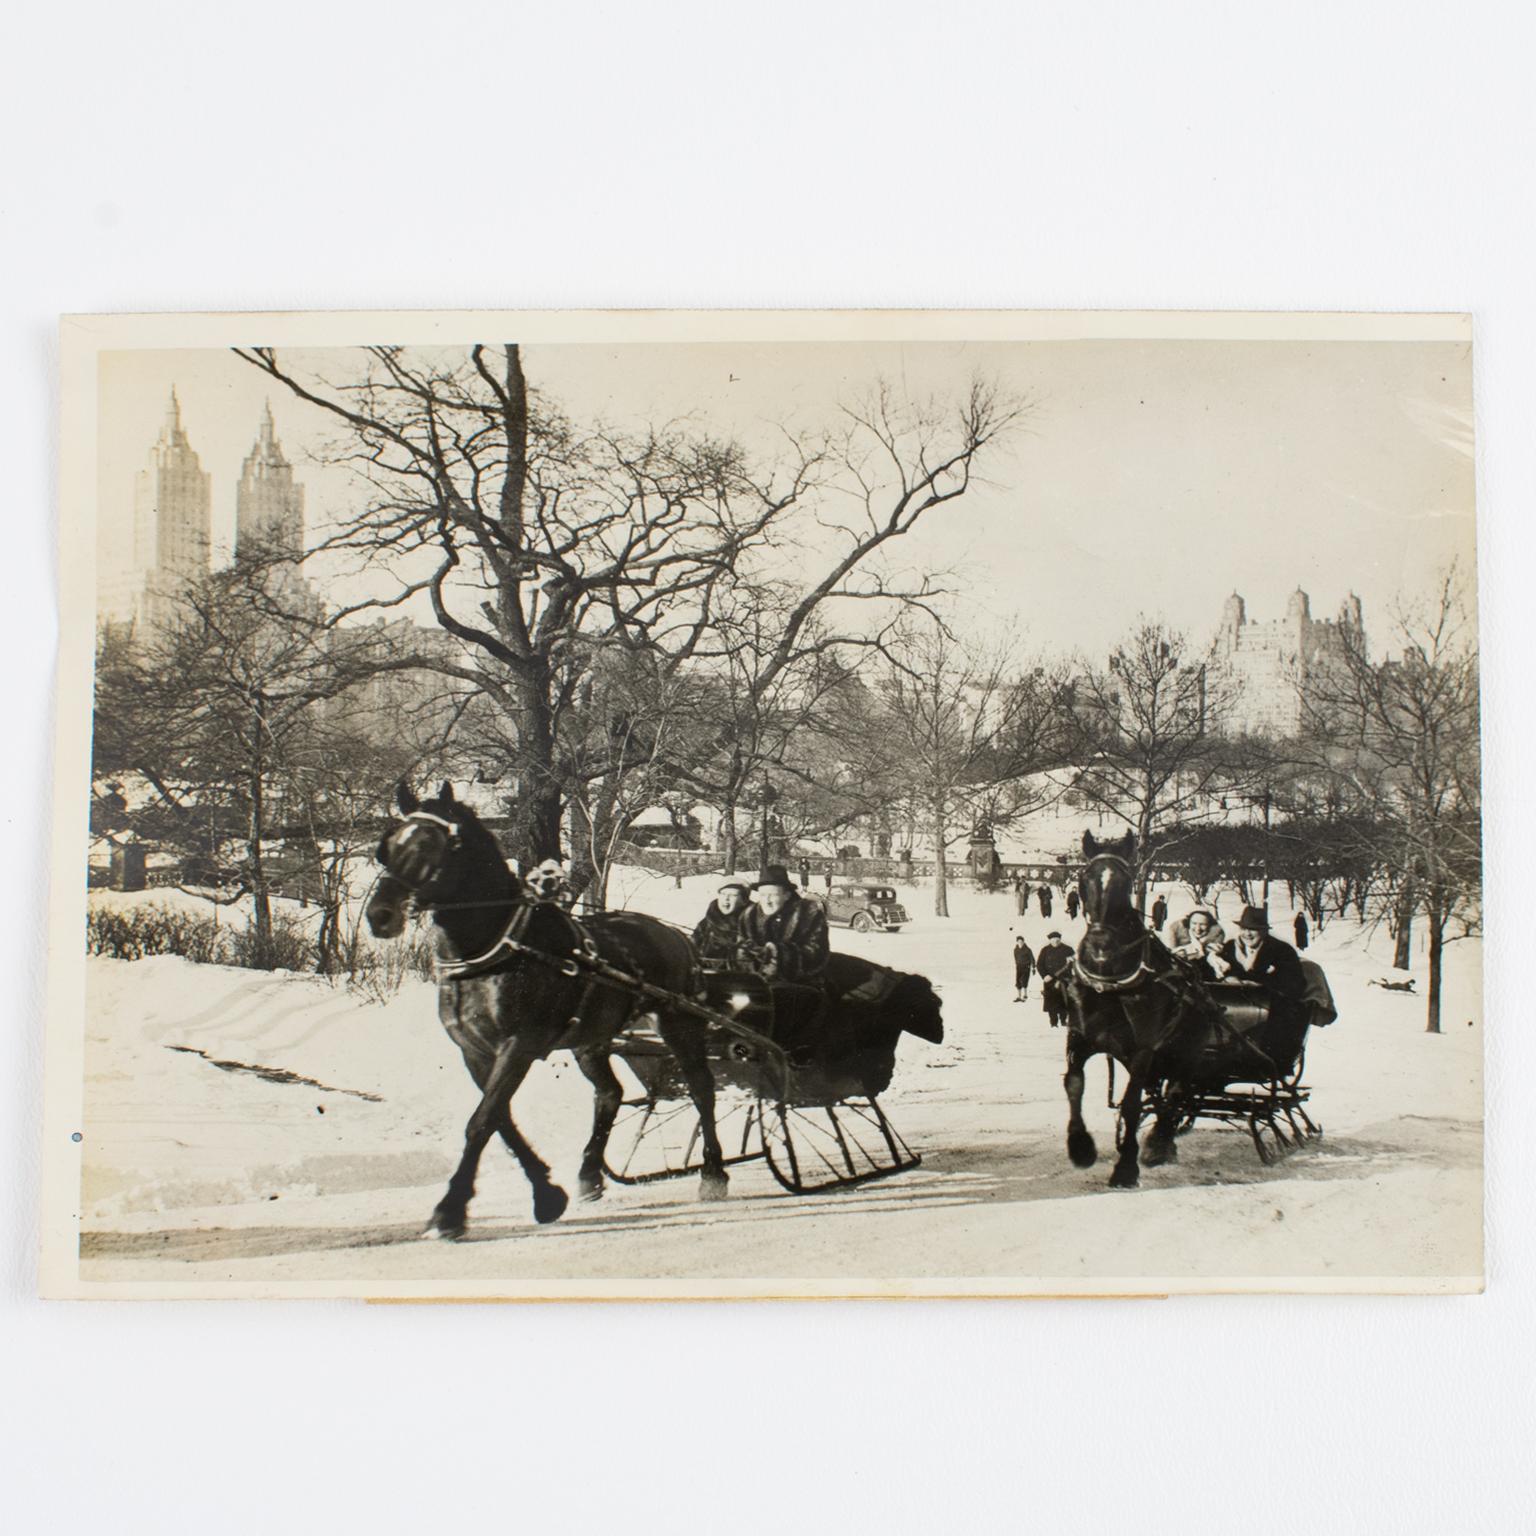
(1159, 913)
(1301, 930)
(784, 939)
(786, 936)
(1073, 900)
(1052, 962)
(1045, 900)
(1023, 968)
(719, 931)
(1256, 955)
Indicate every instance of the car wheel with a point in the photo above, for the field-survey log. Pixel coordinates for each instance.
(861, 922)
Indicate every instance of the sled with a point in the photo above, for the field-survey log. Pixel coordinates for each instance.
(801, 1097)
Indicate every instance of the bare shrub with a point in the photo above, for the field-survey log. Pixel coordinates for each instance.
(134, 933)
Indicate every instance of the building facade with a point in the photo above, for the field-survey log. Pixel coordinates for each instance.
(1262, 673)
(269, 521)
(168, 545)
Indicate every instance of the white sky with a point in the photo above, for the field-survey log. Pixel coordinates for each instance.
(1151, 476)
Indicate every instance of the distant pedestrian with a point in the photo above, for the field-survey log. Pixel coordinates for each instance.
(1159, 914)
(1072, 905)
(1044, 894)
(826, 874)
(1052, 961)
(1023, 966)
(1301, 930)
(1020, 895)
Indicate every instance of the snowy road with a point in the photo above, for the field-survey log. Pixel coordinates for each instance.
(324, 1170)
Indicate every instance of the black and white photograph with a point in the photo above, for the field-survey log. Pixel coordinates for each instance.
(745, 804)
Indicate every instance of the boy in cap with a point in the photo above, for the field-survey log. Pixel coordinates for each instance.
(719, 930)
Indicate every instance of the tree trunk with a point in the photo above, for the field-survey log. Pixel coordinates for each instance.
(261, 898)
(729, 843)
(1402, 953)
(1143, 867)
(1435, 917)
(940, 874)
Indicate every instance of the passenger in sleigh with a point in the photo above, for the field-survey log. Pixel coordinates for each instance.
(1254, 954)
(784, 939)
(718, 934)
(1197, 938)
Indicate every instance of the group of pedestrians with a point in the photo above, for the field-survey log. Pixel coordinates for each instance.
(1053, 959)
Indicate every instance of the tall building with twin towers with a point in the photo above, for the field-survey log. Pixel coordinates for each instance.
(170, 540)
(1267, 673)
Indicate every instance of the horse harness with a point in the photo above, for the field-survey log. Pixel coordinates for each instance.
(1126, 982)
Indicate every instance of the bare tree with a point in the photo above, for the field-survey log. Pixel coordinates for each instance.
(1401, 737)
(1141, 738)
(543, 546)
(959, 731)
(220, 710)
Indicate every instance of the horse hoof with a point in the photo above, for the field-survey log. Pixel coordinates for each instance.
(444, 1229)
(591, 1192)
(549, 1204)
(1081, 1149)
(714, 1187)
(1156, 1153)
(1124, 1178)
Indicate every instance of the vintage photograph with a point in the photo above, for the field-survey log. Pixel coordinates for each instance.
(766, 804)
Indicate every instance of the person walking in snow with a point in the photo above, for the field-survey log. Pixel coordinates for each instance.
(1301, 930)
(1159, 914)
(1023, 968)
(1052, 962)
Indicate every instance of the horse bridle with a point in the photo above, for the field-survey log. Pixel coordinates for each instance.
(509, 942)
(1142, 969)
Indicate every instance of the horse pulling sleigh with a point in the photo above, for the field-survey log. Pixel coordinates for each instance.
(1229, 1051)
(520, 978)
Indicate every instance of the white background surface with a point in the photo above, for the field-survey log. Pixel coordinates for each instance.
(1185, 156)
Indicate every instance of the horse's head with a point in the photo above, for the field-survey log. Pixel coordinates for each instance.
(439, 854)
(1107, 880)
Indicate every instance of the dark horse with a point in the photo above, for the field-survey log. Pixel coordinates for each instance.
(519, 978)
(1129, 999)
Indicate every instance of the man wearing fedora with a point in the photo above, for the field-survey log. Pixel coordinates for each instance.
(785, 934)
(1255, 954)
(1052, 961)
(719, 931)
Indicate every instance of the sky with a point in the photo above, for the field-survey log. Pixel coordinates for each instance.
(1145, 477)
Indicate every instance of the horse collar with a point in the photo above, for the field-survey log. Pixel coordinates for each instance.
(508, 942)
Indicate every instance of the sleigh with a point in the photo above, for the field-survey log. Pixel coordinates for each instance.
(1246, 1068)
(798, 1077)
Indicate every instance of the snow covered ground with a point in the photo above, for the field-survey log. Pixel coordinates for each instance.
(323, 1172)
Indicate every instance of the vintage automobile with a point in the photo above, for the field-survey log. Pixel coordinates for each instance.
(865, 908)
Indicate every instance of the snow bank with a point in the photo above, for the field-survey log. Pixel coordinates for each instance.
(208, 1173)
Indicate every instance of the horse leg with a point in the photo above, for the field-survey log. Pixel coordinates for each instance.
(1080, 1146)
(1160, 1147)
(506, 1074)
(607, 1096)
(1127, 1174)
(686, 1042)
(549, 1200)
